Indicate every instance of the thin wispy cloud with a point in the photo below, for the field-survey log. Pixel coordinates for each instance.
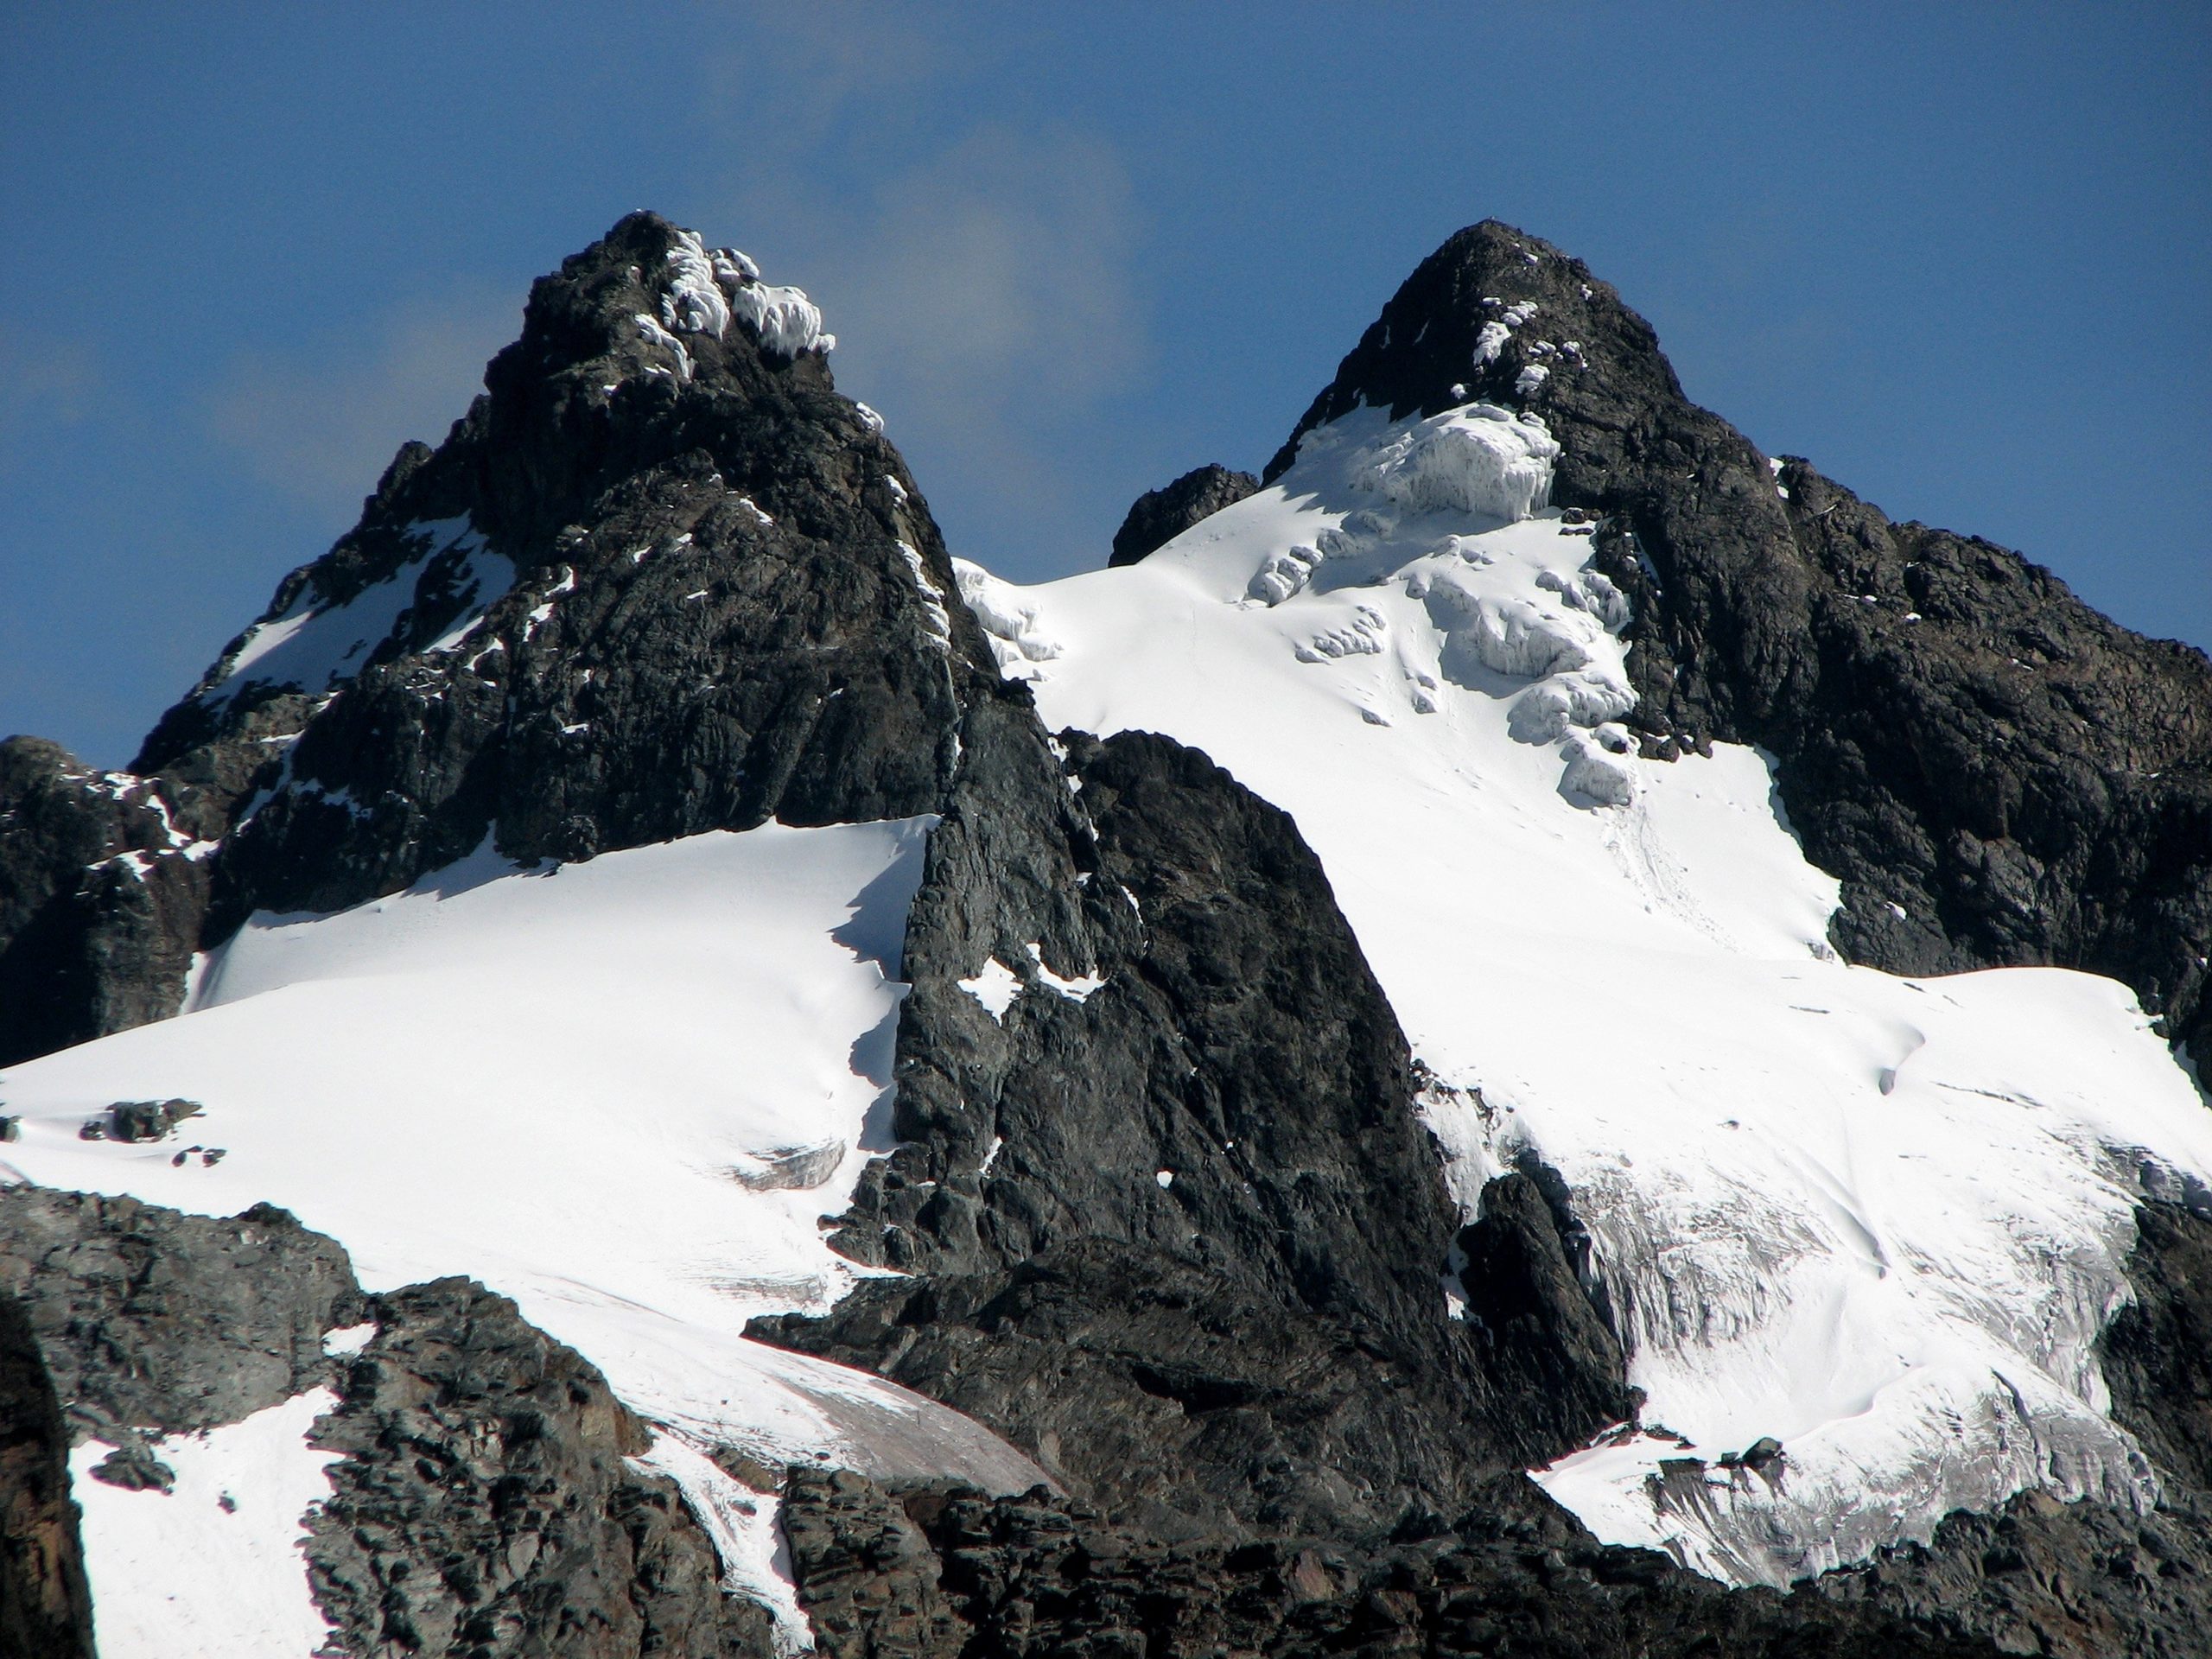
(319, 421)
(982, 276)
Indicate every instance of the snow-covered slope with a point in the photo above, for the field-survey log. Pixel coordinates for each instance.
(621, 1092)
(1880, 1220)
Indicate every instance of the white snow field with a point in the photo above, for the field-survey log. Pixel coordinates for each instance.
(622, 1092)
(1879, 1219)
(213, 1564)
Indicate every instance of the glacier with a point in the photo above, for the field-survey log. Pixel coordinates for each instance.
(1880, 1220)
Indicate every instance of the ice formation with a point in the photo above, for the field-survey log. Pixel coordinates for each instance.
(1477, 459)
(707, 288)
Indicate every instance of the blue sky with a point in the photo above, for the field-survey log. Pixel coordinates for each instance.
(1960, 256)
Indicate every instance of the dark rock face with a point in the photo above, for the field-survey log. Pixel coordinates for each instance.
(1540, 1335)
(1962, 739)
(935, 1570)
(45, 1607)
(484, 1504)
(99, 911)
(2158, 1351)
(153, 1319)
(1158, 516)
(1149, 1217)
(2078, 1581)
(485, 1507)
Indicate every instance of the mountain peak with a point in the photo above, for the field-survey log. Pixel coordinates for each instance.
(1498, 315)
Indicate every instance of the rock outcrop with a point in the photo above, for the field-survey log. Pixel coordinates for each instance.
(1158, 516)
(1144, 1195)
(484, 1502)
(100, 901)
(938, 1572)
(45, 1604)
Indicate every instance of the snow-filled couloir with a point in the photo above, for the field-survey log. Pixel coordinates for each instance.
(1880, 1221)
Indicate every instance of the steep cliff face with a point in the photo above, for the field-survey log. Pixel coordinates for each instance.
(1998, 774)
(1144, 1188)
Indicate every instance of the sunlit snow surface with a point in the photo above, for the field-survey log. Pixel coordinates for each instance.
(1879, 1219)
(592, 1086)
(213, 1566)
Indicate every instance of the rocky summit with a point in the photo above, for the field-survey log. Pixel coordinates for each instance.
(1533, 1033)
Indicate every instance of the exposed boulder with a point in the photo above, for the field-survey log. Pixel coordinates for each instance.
(152, 1319)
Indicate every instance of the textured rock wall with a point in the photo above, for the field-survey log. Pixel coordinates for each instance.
(45, 1605)
(1153, 1219)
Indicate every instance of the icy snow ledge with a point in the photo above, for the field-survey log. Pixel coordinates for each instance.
(1480, 459)
(215, 1565)
(1009, 623)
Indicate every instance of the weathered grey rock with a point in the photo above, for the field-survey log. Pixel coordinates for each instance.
(2076, 1581)
(483, 1506)
(45, 1607)
(152, 1319)
(1158, 516)
(930, 1572)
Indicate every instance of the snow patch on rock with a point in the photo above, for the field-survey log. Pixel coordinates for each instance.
(1081, 988)
(995, 986)
(215, 1565)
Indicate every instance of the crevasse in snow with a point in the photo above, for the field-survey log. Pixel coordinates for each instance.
(1882, 1220)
